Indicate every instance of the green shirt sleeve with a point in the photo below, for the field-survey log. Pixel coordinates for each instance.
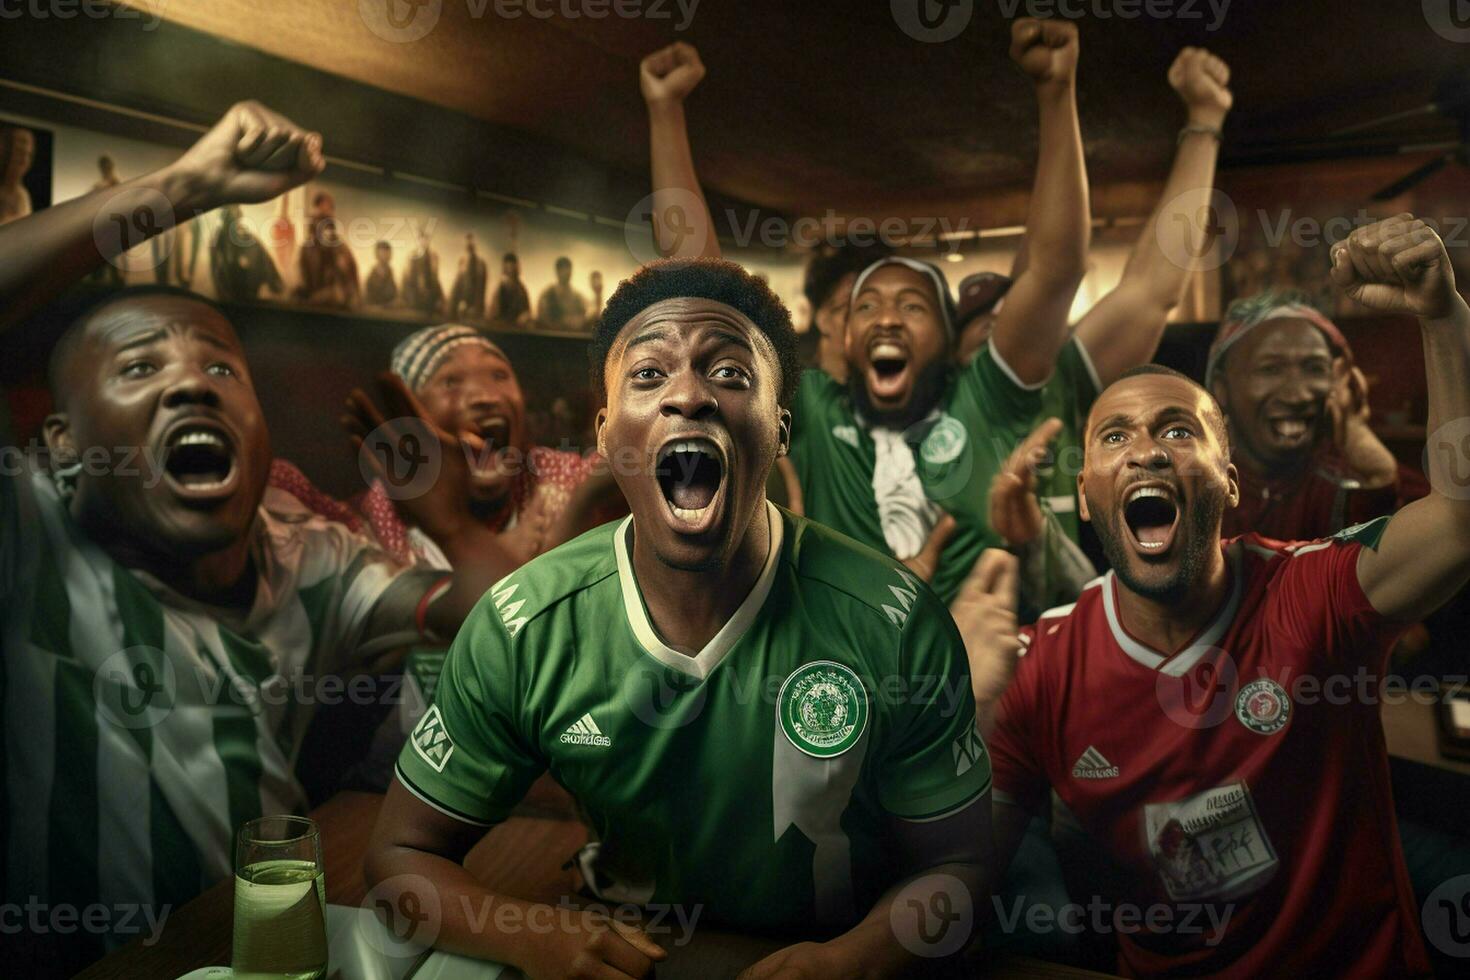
(467, 756)
(937, 762)
(805, 412)
(1076, 373)
(997, 392)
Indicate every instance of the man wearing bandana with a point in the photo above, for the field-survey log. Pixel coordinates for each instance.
(455, 378)
(1298, 412)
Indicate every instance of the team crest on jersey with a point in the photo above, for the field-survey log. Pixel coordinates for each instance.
(431, 740)
(1263, 706)
(823, 708)
(945, 441)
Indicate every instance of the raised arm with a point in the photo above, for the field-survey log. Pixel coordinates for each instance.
(1124, 328)
(1032, 324)
(252, 154)
(682, 226)
(1399, 265)
(434, 499)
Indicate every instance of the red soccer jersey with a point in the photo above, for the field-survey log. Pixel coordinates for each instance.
(1236, 777)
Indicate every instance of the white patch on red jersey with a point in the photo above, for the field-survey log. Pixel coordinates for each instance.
(1211, 845)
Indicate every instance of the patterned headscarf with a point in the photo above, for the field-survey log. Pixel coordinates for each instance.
(419, 355)
(1245, 315)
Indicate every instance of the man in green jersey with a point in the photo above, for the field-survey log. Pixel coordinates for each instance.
(755, 713)
(902, 435)
(168, 623)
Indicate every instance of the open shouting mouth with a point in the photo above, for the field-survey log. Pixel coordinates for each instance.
(1151, 514)
(691, 474)
(494, 432)
(888, 370)
(199, 461)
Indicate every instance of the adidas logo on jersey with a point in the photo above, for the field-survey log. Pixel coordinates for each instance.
(1093, 765)
(968, 750)
(584, 731)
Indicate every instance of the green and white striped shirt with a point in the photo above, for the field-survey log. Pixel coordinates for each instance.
(141, 728)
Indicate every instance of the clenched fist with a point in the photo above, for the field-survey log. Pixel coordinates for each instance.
(1046, 50)
(670, 74)
(252, 154)
(1397, 265)
(1203, 82)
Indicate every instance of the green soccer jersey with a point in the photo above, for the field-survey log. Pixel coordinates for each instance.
(142, 728)
(982, 415)
(755, 779)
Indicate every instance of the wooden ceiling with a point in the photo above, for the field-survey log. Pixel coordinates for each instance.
(811, 105)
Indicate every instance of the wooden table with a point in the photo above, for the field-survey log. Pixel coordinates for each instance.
(521, 857)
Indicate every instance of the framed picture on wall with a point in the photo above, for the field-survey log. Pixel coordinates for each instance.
(25, 169)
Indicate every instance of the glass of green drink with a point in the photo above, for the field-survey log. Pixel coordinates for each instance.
(280, 901)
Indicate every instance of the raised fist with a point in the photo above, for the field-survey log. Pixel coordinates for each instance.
(1045, 49)
(670, 74)
(1397, 265)
(1203, 82)
(252, 154)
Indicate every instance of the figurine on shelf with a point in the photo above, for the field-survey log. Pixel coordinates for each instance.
(328, 270)
(511, 303)
(467, 298)
(561, 307)
(381, 290)
(421, 288)
(595, 280)
(17, 151)
(283, 233)
(238, 262)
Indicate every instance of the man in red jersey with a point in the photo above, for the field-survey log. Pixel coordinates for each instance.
(1208, 708)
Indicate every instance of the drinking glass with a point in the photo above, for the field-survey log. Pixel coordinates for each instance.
(280, 901)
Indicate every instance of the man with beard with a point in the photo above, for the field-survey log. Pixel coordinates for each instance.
(1309, 463)
(882, 457)
(706, 595)
(160, 604)
(1188, 692)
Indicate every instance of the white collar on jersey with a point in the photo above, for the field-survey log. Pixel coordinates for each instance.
(1179, 664)
(699, 665)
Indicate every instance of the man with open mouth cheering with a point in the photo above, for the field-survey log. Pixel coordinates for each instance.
(166, 617)
(1201, 707)
(759, 717)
